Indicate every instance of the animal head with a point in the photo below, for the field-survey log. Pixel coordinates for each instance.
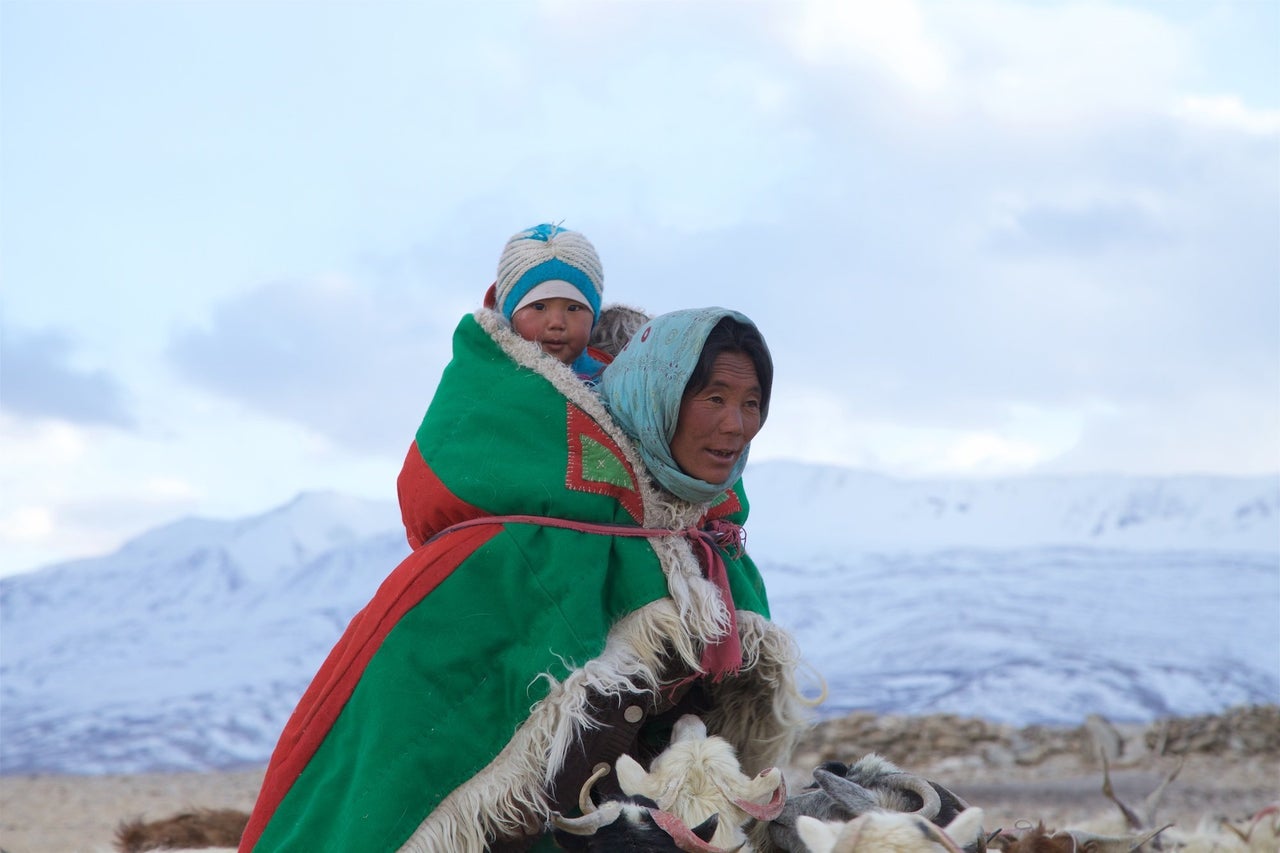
(887, 832)
(698, 775)
(631, 824)
(841, 792)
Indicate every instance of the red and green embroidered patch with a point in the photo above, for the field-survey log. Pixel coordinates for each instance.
(725, 504)
(598, 466)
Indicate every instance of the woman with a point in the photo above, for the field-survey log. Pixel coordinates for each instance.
(576, 584)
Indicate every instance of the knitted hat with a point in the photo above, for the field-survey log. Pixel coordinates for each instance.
(543, 254)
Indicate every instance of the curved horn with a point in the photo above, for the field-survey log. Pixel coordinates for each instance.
(1087, 840)
(588, 824)
(931, 803)
(683, 836)
(585, 805)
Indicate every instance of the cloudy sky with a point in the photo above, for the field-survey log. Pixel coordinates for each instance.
(982, 237)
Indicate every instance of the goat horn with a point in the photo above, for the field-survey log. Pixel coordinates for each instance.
(1131, 819)
(1127, 843)
(683, 836)
(584, 795)
(930, 802)
(588, 824)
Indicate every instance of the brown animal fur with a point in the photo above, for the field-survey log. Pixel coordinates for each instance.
(200, 828)
(1038, 840)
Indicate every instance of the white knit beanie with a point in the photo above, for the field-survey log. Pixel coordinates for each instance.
(548, 253)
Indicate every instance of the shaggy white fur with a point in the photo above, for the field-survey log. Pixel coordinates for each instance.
(889, 832)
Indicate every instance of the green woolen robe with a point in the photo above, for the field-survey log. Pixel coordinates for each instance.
(435, 718)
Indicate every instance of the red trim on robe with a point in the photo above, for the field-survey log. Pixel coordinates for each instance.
(415, 577)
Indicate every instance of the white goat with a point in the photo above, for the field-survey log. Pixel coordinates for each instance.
(888, 832)
(698, 776)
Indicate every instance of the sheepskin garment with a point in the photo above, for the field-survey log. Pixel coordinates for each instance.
(454, 695)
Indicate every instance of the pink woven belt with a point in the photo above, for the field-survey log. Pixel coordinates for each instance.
(724, 657)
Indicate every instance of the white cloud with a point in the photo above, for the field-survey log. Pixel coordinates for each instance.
(26, 524)
(819, 426)
(1035, 66)
(888, 36)
(355, 362)
(939, 212)
(1061, 63)
(1228, 112)
(170, 488)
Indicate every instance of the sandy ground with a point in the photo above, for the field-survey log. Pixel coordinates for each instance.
(79, 814)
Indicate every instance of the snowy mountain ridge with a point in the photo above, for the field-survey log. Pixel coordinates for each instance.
(188, 648)
(794, 504)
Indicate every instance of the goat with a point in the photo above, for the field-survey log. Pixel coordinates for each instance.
(698, 775)
(841, 792)
(881, 831)
(1262, 835)
(1042, 840)
(633, 824)
(203, 828)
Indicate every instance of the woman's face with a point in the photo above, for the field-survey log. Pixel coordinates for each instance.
(718, 422)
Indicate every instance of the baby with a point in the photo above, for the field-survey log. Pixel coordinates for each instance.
(549, 286)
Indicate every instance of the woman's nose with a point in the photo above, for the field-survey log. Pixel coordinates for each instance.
(732, 421)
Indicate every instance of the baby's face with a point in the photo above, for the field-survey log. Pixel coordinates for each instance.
(560, 326)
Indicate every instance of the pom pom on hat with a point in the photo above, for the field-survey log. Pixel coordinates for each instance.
(543, 254)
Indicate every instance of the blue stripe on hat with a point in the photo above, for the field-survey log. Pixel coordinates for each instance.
(548, 270)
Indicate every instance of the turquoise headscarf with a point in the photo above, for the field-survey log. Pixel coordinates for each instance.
(643, 386)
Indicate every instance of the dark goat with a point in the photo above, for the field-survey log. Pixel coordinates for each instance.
(842, 792)
(632, 824)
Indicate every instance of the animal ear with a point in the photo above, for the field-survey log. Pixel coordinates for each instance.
(707, 829)
(817, 836)
(966, 826)
(765, 795)
(849, 795)
(765, 784)
(632, 778)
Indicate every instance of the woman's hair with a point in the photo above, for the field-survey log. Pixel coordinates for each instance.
(730, 335)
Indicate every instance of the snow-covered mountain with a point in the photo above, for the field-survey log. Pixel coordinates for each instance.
(815, 509)
(1022, 600)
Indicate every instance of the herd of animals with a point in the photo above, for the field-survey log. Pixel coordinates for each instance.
(695, 798)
